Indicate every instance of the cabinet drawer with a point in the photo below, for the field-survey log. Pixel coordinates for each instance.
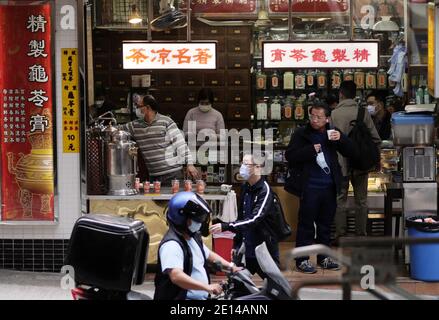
(166, 96)
(190, 96)
(116, 61)
(218, 95)
(238, 45)
(221, 61)
(101, 45)
(238, 61)
(101, 63)
(192, 78)
(119, 96)
(121, 80)
(238, 111)
(214, 78)
(237, 78)
(168, 79)
(101, 80)
(238, 95)
(239, 31)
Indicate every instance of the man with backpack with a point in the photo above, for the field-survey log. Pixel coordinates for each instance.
(315, 176)
(357, 123)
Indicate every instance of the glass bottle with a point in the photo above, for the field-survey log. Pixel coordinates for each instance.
(321, 80)
(300, 81)
(359, 79)
(299, 113)
(371, 80)
(382, 79)
(335, 79)
(261, 110)
(261, 78)
(288, 109)
(275, 80)
(310, 79)
(348, 75)
(288, 80)
(275, 110)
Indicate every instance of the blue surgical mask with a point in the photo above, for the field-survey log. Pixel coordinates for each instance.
(194, 226)
(244, 172)
(322, 162)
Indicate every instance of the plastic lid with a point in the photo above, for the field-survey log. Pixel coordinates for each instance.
(410, 118)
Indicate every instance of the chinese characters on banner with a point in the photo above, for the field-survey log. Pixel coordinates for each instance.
(309, 6)
(221, 6)
(306, 55)
(70, 100)
(169, 55)
(27, 172)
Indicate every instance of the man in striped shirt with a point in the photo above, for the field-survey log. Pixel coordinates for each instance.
(161, 143)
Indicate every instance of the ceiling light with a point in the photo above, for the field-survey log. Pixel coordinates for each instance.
(135, 17)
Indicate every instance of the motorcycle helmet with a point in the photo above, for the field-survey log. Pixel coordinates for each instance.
(184, 205)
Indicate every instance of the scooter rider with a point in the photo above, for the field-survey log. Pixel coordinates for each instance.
(182, 256)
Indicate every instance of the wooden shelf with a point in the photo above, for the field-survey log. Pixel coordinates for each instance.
(418, 65)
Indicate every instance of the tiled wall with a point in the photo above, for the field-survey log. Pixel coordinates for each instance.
(42, 247)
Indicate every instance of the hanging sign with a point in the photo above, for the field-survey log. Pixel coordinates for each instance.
(317, 55)
(169, 55)
(309, 6)
(70, 100)
(26, 108)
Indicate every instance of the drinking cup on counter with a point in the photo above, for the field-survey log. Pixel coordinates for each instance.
(175, 186)
(157, 185)
(201, 186)
(187, 185)
(146, 186)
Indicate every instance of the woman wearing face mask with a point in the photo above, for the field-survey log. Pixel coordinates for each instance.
(204, 116)
(255, 221)
(315, 177)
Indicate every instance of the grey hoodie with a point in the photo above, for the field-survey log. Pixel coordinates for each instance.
(341, 117)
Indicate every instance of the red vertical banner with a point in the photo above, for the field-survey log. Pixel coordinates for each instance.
(26, 132)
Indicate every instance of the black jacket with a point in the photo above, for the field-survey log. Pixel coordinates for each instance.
(260, 221)
(164, 288)
(301, 155)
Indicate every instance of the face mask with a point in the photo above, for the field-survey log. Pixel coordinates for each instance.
(322, 162)
(139, 113)
(99, 103)
(194, 226)
(205, 107)
(244, 171)
(371, 109)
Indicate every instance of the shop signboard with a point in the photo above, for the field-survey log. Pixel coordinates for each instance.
(26, 109)
(169, 55)
(313, 7)
(318, 55)
(221, 7)
(433, 63)
(70, 99)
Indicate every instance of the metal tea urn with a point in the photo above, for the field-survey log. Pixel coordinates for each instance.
(121, 164)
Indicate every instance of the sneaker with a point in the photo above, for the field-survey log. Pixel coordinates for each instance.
(329, 264)
(306, 267)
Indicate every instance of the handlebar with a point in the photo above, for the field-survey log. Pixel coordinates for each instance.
(103, 117)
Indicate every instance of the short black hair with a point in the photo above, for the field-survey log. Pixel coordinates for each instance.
(205, 94)
(348, 89)
(318, 104)
(378, 96)
(331, 98)
(149, 100)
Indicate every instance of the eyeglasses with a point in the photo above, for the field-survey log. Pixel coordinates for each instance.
(314, 117)
(248, 164)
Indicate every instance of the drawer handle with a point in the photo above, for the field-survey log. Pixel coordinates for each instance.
(168, 99)
(237, 48)
(168, 82)
(237, 82)
(237, 115)
(237, 65)
(237, 31)
(99, 66)
(191, 82)
(122, 99)
(214, 82)
(191, 99)
(213, 31)
(215, 99)
(237, 98)
(122, 83)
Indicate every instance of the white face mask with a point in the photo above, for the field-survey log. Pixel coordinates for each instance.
(139, 113)
(244, 172)
(194, 226)
(205, 107)
(99, 103)
(372, 109)
(320, 159)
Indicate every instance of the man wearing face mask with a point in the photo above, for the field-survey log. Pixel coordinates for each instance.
(255, 224)
(161, 143)
(182, 257)
(380, 115)
(315, 177)
(204, 116)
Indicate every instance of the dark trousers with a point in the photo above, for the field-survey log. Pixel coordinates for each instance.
(317, 206)
(252, 265)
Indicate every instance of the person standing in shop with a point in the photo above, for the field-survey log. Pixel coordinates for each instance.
(315, 177)
(380, 115)
(204, 116)
(160, 142)
(255, 223)
(342, 117)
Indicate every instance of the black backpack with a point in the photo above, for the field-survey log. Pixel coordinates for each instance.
(281, 226)
(367, 153)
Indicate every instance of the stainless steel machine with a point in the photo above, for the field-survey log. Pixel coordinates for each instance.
(112, 159)
(413, 132)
